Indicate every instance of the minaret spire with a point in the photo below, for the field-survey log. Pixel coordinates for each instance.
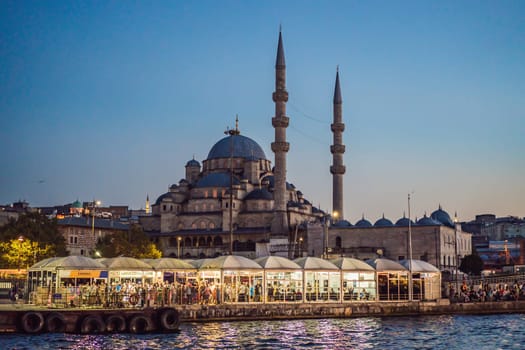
(338, 149)
(280, 147)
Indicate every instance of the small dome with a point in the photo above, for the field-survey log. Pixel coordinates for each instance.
(162, 196)
(236, 146)
(261, 193)
(383, 222)
(363, 223)
(76, 204)
(342, 223)
(271, 183)
(404, 221)
(216, 180)
(193, 163)
(442, 216)
(426, 221)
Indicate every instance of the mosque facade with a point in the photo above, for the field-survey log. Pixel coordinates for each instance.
(235, 202)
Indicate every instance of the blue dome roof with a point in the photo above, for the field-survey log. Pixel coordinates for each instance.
(271, 183)
(443, 217)
(404, 222)
(216, 180)
(243, 147)
(261, 193)
(193, 162)
(363, 223)
(342, 223)
(383, 222)
(426, 221)
(165, 195)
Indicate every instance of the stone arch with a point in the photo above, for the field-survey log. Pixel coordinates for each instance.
(338, 242)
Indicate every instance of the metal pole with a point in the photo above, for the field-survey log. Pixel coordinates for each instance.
(456, 254)
(410, 291)
(231, 194)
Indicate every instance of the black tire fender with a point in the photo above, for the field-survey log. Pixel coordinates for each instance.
(115, 323)
(141, 324)
(32, 322)
(55, 323)
(92, 324)
(169, 319)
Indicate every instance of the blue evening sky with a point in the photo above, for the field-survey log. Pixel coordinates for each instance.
(110, 99)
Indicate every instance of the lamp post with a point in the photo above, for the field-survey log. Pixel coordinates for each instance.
(20, 241)
(456, 258)
(410, 282)
(300, 247)
(95, 204)
(178, 246)
(232, 133)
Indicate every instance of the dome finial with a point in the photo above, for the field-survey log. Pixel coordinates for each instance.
(439, 206)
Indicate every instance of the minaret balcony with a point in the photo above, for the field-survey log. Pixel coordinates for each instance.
(280, 122)
(280, 147)
(338, 127)
(337, 169)
(335, 149)
(280, 96)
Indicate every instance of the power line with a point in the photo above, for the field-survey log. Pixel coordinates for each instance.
(301, 113)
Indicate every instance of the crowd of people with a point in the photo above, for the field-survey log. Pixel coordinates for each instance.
(483, 292)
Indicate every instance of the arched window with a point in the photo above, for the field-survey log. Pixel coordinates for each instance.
(202, 242)
(173, 242)
(211, 226)
(209, 241)
(217, 241)
(338, 242)
(194, 226)
(187, 242)
(202, 225)
(180, 226)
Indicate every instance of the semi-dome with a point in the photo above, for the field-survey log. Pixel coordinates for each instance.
(363, 223)
(443, 217)
(260, 193)
(426, 221)
(383, 222)
(162, 196)
(216, 180)
(236, 146)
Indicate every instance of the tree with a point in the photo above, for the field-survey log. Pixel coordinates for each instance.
(133, 243)
(471, 264)
(34, 236)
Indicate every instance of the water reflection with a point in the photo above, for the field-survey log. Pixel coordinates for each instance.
(425, 332)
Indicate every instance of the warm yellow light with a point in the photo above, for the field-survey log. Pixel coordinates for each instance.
(335, 214)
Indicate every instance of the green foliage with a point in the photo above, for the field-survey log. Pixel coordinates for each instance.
(471, 264)
(133, 243)
(31, 238)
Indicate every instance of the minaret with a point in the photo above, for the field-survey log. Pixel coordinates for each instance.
(148, 208)
(280, 147)
(338, 149)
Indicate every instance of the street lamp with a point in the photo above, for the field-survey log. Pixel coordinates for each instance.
(95, 204)
(300, 247)
(410, 282)
(178, 246)
(456, 250)
(20, 241)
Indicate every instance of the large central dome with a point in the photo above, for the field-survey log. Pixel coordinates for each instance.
(243, 147)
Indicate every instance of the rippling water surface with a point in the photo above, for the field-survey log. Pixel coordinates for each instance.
(425, 332)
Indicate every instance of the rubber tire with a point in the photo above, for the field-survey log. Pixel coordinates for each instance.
(169, 319)
(115, 323)
(56, 323)
(141, 324)
(32, 322)
(92, 324)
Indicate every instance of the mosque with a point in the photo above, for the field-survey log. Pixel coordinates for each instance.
(236, 203)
